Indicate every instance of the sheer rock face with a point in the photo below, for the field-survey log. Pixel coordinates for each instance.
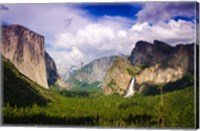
(165, 63)
(147, 54)
(25, 49)
(174, 67)
(52, 73)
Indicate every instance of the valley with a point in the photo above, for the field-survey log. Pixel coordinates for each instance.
(28, 103)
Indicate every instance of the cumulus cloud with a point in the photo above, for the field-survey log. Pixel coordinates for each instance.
(156, 11)
(92, 35)
(74, 56)
(173, 32)
(96, 40)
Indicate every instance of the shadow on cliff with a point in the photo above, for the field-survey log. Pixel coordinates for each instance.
(184, 82)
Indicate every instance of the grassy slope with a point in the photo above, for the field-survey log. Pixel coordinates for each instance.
(20, 91)
(26, 102)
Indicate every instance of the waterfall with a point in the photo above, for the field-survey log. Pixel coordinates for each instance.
(130, 92)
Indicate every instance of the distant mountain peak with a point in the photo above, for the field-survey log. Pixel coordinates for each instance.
(158, 42)
(140, 44)
(92, 72)
(148, 54)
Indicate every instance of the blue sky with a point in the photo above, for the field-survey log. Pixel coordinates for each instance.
(76, 33)
(113, 9)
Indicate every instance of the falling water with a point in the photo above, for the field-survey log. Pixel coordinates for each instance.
(130, 92)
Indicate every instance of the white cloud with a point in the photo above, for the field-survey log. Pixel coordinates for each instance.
(97, 40)
(122, 34)
(93, 41)
(173, 32)
(93, 34)
(74, 56)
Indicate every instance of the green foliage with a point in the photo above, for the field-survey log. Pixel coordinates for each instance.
(85, 86)
(112, 83)
(94, 109)
(130, 72)
(55, 88)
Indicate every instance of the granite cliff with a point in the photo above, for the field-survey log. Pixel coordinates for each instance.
(53, 76)
(147, 54)
(151, 65)
(25, 49)
(171, 69)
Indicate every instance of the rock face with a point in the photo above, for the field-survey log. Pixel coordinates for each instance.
(147, 54)
(25, 49)
(95, 71)
(119, 76)
(52, 73)
(150, 64)
(174, 67)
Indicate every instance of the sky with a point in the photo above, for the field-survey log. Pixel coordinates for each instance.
(76, 33)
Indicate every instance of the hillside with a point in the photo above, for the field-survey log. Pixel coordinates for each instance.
(19, 90)
(92, 74)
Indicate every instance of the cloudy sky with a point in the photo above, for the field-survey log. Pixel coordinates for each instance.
(76, 33)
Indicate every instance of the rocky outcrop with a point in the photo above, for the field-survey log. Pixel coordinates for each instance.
(174, 67)
(147, 54)
(52, 73)
(61, 83)
(119, 76)
(151, 65)
(25, 49)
